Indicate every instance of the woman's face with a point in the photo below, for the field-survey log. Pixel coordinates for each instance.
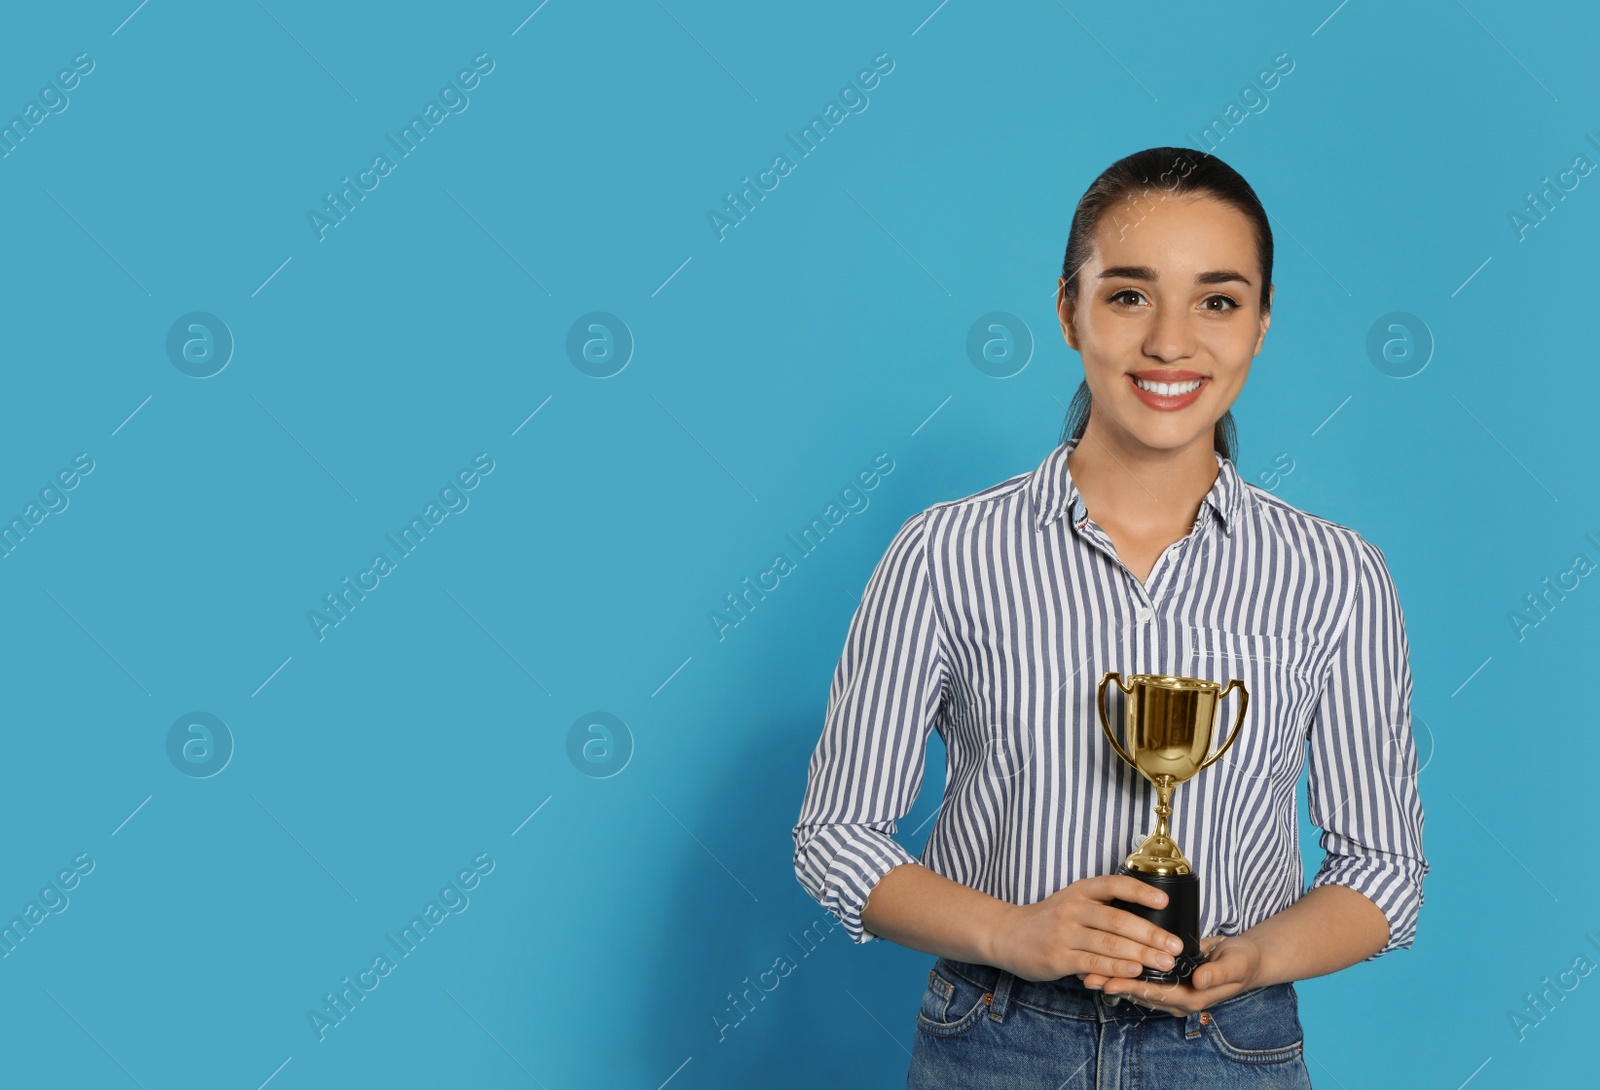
(1171, 295)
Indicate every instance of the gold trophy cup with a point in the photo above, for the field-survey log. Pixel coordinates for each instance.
(1170, 724)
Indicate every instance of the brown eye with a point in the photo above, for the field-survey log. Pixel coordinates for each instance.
(1232, 303)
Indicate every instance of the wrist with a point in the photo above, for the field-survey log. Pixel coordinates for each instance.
(993, 932)
(1269, 966)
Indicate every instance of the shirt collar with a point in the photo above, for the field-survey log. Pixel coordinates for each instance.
(1055, 495)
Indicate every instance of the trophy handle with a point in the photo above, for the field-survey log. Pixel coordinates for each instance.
(1244, 701)
(1105, 718)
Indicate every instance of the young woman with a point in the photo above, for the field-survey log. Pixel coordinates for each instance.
(1137, 547)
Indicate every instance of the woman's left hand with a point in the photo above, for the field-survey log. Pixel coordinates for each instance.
(1231, 966)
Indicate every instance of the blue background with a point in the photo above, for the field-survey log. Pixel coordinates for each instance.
(638, 881)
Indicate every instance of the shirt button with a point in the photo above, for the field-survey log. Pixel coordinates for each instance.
(1144, 613)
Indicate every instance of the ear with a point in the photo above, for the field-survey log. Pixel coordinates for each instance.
(1266, 320)
(1064, 312)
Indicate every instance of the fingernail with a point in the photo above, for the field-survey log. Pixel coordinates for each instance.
(1175, 945)
(1167, 961)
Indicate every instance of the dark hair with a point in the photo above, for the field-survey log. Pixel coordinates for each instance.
(1177, 171)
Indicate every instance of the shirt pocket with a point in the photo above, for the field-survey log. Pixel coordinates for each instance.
(1280, 675)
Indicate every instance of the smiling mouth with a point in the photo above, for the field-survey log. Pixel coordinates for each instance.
(1168, 395)
(1168, 389)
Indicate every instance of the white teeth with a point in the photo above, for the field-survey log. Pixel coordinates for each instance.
(1169, 389)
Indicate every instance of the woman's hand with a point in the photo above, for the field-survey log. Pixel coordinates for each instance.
(1232, 966)
(1075, 931)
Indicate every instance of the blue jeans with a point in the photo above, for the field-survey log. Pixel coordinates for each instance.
(982, 1028)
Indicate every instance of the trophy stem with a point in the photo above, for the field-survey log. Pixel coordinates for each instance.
(1159, 854)
(1160, 863)
(1164, 788)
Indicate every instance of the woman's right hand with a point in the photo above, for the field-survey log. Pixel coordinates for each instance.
(1077, 931)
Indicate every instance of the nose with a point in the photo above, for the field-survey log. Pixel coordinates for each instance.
(1170, 336)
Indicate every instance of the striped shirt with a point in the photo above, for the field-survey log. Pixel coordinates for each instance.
(992, 619)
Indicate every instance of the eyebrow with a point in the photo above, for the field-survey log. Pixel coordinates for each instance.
(1145, 272)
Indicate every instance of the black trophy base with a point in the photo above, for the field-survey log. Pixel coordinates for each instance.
(1181, 916)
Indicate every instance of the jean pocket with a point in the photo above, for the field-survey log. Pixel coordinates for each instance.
(950, 1004)
(1257, 1027)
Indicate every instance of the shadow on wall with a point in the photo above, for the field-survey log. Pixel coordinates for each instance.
(764, 987)
(751, 977)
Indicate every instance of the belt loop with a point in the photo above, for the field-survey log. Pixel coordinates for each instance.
(1000, 998)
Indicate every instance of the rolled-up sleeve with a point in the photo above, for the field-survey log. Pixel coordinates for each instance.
(867, 767)
(1363, 759)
